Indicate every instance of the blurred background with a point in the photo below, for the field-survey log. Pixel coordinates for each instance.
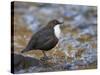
(77, 48)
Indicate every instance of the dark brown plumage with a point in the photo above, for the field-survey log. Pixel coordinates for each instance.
(44, 39)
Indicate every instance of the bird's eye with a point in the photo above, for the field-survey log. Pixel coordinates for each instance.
(55, 22)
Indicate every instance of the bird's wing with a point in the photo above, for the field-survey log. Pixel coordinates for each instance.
(47, 44)
(46, 39)
(40, 39)
(31, 44)
(44, 36)
(34, 39)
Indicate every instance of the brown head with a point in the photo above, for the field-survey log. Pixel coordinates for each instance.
(53, 23)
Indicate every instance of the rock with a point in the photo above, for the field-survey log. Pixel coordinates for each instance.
(23, 62)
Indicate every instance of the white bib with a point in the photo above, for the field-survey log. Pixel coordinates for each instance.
(57, 31)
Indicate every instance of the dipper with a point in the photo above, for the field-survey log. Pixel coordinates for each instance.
(46, 38)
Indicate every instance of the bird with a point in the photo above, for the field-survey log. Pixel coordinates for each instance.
(46, 38)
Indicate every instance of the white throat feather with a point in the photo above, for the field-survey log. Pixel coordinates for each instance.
(57, 31)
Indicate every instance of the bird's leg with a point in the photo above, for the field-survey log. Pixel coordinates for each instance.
(45, 56)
